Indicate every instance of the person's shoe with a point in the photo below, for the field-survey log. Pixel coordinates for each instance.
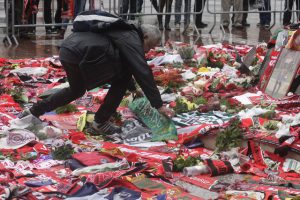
(106, 128)
(48, 31)
(294, 26)
(177, 26)
(161, 27)
(238, 25)
(246, 24)
(188, 27)
(267, 25)
(202, 25)
(225, 24)
(167, 27)
(258, 24)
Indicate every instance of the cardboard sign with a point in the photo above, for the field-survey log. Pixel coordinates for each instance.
(283, 74)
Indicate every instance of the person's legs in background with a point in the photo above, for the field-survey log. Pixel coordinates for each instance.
(79, 6)
(57, 17)
(124, 8)
(140, 6)
(161, 6)
(199, 6)
(238, 17)
(67, 14)
(245, 15)
(298, 8)
(265, 18)
(178, 5)
(48, 15)
(155, 5)
(288, 6)
(91, 4)
(133, 8)
(187, 10)
(168, 17)
(32, 13)
(225, 4)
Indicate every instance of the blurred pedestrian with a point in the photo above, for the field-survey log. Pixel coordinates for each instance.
(48, 16)
(162, 4)
(131, 6)
(79, 6)
(265, 18)
(238, 17)
(187, 15)
(288, 6)
(199, 6)
(67, 15)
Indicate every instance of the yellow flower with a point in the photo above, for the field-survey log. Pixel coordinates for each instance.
(203, 69)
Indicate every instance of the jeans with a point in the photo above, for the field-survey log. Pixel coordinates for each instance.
(79, 6)
(77, 89)
(187, 8)
(265, 18)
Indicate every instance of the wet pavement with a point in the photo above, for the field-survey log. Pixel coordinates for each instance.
(42, 45)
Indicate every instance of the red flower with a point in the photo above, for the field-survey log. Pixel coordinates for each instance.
(231, 86)
(172, 104)
(233, 102)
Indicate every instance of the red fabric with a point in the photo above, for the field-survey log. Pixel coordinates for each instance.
(263, 82)
(92, 158)
(203, 181)
(41, 148)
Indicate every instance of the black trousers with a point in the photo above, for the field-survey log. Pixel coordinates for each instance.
(162, 4)
(130, 5)
(199, 5)
(77, 89)
(287, 16)
(48, 13)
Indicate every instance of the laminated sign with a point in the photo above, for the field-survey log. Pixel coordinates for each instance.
(162, 128)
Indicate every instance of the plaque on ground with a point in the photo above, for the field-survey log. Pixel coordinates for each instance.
(283, 73)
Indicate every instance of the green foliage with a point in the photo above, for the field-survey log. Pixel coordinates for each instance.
(63, 152)
(214, 84)
(177, 65)
(229, 138)
(181, 106)
(271, 125)
(200, 100)
(180, 162)
(66, 109)
(186, 52)
(18, 94)
(268, 115)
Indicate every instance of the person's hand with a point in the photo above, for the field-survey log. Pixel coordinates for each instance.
(168, 112)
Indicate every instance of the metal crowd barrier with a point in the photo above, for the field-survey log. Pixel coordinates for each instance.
(7, 26)
(147, 9)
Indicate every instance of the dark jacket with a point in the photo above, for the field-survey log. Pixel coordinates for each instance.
(107, 55)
